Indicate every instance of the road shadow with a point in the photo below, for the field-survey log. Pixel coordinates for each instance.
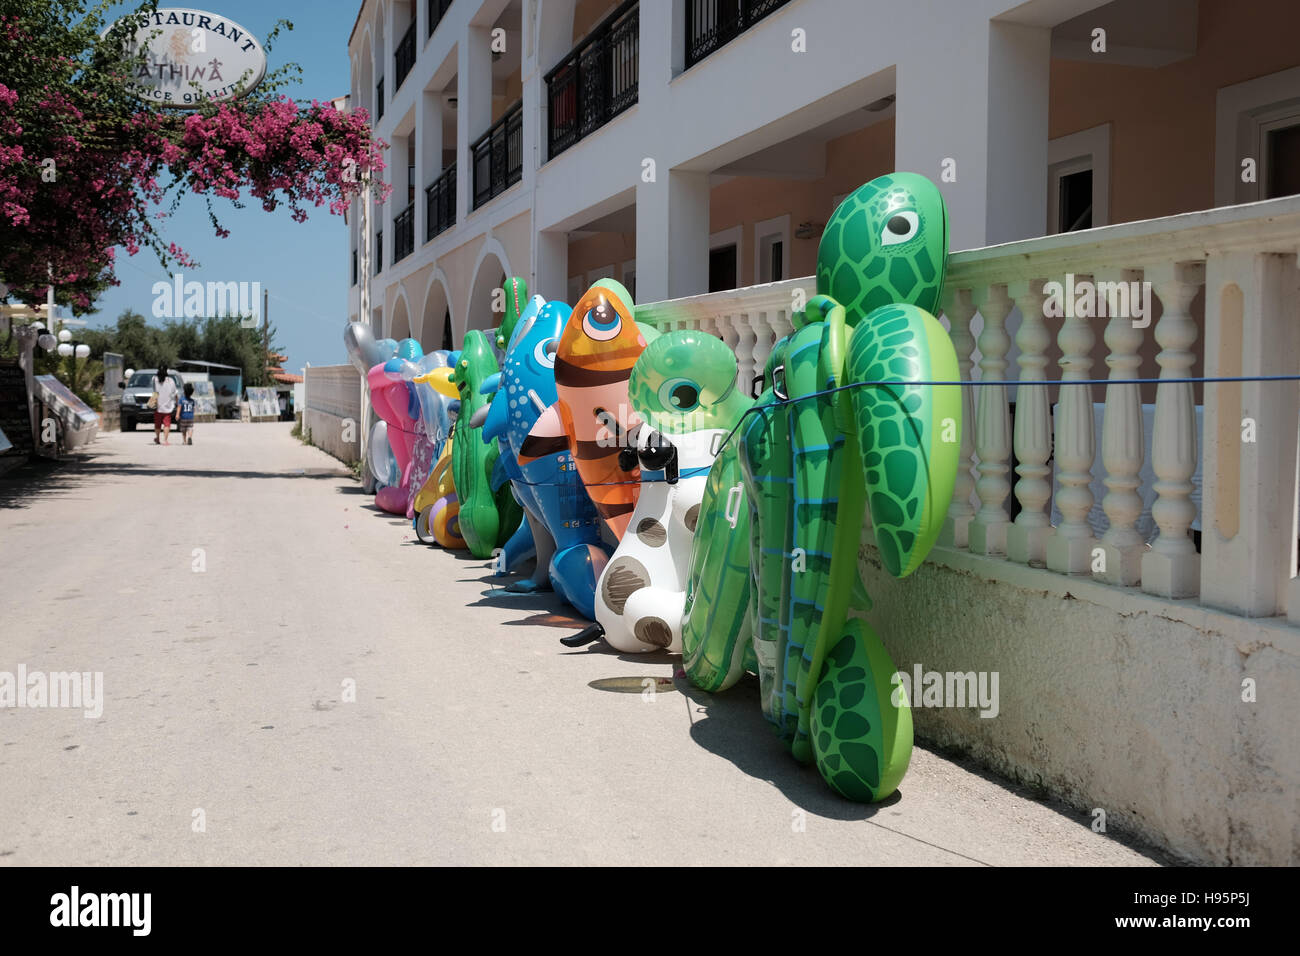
(44, 478)
(731, 725)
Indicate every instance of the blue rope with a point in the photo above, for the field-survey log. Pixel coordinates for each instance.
(1064, 383)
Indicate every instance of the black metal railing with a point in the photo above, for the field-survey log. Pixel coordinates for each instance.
(437, 10)
(596, 81)
(379, 252)
(404, 57)
(440, 204)
(354, 267)
(404, 233)
(498, 156)
(379, 99)
(711, 24)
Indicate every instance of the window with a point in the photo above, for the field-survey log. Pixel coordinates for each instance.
(722, 269)
(1078, 180)
(1281, 170)
(771, 248)
(629, 278)
(1072, 210)
(446, 330)
(724, 259)
(1257, 139)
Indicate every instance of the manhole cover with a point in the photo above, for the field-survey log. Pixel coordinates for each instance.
(633, 685)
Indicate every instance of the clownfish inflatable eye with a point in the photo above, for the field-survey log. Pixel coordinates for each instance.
(545, 352)
(601, 322)
(680, 395)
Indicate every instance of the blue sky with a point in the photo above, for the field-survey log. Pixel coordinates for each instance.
(304, 266)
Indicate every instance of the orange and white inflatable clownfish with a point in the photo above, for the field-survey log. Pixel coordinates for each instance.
(600, 344)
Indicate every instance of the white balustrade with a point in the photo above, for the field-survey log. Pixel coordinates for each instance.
(1172, 568)
(1249, 489)
(1027, 537)
(763, 341)
(1069, 548)
(959, 307)
(1122, 444)
(745, 340)
(988, 529)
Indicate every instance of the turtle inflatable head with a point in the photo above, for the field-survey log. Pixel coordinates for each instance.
(685, 381)
(886, 244)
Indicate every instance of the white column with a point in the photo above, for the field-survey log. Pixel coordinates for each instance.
(1027, 537)
(386, 64)
(1248, 502)
(1172, 568)
(428, 152)
(473, 109)
(672, 235)
(1122, 447)
(550, 270)
(960, 309)
(1069, 548)
(992, 125)
(988, 529)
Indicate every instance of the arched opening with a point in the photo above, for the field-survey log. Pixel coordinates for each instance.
(401, 324)
(435, 323)
(491, 275)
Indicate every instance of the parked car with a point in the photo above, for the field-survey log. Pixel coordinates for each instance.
(135, 398)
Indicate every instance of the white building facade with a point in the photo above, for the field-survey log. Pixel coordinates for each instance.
(693, 149)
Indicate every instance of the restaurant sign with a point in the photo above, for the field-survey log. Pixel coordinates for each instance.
(192, 57)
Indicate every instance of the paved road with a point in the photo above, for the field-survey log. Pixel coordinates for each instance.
(475, 737)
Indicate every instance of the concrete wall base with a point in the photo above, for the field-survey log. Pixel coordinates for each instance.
(1110, 699)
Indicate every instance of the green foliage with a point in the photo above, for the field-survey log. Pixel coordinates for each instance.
(223, 340)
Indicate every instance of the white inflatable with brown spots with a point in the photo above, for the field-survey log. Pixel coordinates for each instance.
(683, 389)
(642, 592)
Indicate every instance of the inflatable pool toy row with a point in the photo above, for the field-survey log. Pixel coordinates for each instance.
(680, 514)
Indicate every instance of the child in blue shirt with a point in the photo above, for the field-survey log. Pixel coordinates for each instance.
(186, 408)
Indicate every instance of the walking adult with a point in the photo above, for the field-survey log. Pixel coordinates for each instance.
(165, 388)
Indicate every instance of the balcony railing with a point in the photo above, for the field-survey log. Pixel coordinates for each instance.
(379, 99)
(379, 252)
(498, 156)
(404, 57)
(437, 10)
(596, 81)
(711, 24)
(1129, 481)
(404, 233)
(440, 204)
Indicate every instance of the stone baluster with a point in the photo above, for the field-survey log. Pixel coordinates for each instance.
(988, 529)
(763, 339)
(779, 320)
(1122, 444)
(1172, 568)
(727, 332)
(1027, 537)
(745, 340)
(1070, 546)
(960, 309)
